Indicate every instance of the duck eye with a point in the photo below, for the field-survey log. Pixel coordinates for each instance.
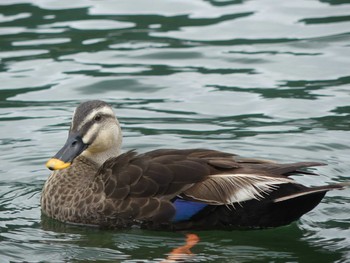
(98, 117)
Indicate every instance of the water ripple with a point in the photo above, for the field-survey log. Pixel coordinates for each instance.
(257, 78)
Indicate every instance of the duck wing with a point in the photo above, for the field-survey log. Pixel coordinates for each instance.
(144, 186)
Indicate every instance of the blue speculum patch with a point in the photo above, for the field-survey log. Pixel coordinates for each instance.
(186, 209)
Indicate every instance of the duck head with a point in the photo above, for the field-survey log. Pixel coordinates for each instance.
(94, 133)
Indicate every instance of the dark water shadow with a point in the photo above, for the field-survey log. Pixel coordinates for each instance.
(280, 244)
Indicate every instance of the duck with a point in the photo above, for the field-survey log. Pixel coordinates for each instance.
(94, 183)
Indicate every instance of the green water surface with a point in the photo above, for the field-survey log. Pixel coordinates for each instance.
(259, 78)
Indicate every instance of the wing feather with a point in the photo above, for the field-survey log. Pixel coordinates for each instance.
(234, 188)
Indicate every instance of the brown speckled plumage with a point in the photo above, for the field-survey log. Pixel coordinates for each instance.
(128, 189)
(142, 189)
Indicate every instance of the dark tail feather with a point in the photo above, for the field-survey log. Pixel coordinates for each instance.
(312, 190)
(286, 209)
(286, 169)
(294, 168)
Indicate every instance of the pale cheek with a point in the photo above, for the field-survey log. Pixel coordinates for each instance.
(103, 142)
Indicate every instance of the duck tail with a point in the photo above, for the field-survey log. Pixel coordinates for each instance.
(313, 190)
(289, 204)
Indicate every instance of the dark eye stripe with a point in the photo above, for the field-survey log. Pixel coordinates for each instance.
(89, 124)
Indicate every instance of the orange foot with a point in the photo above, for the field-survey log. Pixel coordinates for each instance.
(182, 253)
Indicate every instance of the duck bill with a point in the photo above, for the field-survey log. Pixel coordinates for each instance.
(73, 147)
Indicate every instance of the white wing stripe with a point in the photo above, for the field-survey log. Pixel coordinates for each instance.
(235, 188)
(251, 186)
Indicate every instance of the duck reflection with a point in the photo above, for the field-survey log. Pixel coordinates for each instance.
(81, 244)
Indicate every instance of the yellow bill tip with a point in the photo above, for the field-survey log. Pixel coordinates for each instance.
(56, 164)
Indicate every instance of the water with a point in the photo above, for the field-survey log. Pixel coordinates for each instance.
(261, 78)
